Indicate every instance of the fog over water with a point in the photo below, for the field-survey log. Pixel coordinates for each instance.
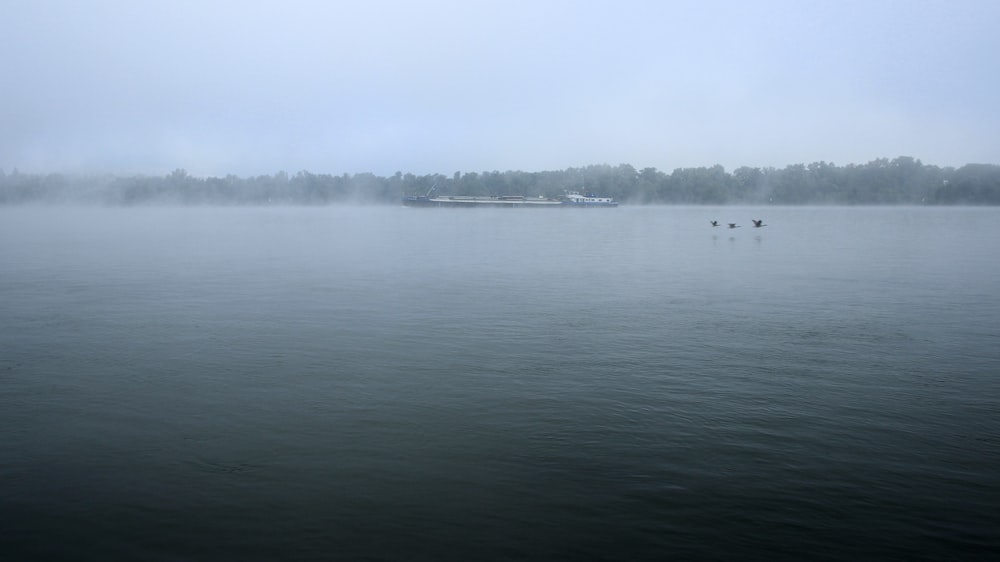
(388, 383)
(382, 383)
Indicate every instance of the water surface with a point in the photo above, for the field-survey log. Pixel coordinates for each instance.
(422, 384)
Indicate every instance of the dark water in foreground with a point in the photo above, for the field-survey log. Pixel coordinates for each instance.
(411, 384)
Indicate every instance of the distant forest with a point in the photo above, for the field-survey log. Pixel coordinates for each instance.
(900, 181)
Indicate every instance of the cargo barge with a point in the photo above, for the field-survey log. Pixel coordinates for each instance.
(571, 199)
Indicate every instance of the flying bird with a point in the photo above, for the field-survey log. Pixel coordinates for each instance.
(733, 225)
(715, 223)
(758, 223)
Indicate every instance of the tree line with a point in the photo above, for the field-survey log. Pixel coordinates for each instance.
(899, 181)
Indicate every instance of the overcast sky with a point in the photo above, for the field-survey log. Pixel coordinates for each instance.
(437, 86)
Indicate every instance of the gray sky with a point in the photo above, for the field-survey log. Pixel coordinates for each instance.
(438, 86)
